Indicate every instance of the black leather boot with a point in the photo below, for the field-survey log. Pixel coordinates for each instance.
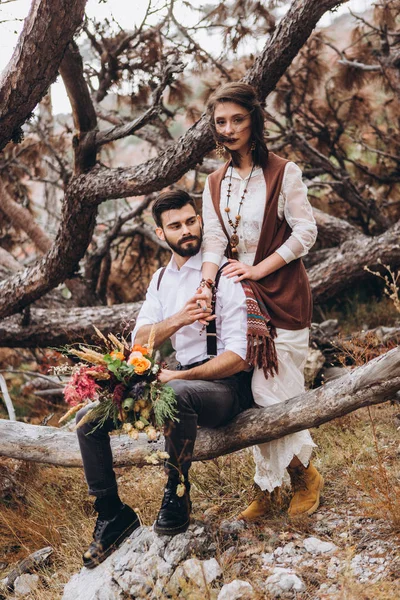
(174, 515)
(109, 534)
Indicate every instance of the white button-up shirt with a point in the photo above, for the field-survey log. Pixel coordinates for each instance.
(176, 288)
(293, 205)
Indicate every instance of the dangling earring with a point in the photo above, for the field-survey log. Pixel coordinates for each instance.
(253, 145)
(219, 150)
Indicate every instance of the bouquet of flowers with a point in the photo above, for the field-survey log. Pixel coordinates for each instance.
(121, 383)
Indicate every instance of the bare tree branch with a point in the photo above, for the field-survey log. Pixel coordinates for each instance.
(86, 191)
(84, 115)
(48, 28)
(7, 399)
(8, 261)
(22, 218)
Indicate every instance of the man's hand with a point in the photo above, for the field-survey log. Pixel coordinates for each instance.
(195, 309)
(165, 375)
(207, 294)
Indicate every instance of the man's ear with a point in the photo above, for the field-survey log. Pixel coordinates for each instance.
(160, 234)
(200, 220)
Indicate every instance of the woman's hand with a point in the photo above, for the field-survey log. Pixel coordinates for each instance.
(241, 271)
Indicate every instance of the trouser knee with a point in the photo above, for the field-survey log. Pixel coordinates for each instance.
(184, 397)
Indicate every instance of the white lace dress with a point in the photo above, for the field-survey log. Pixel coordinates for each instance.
(272, 458)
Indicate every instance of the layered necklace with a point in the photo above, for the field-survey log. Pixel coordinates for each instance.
(234, 239)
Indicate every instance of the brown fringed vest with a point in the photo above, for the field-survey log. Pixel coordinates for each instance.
(286, 292)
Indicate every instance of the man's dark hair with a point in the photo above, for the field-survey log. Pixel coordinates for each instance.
(170, 200)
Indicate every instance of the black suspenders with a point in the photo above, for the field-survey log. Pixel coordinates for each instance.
(211, 327)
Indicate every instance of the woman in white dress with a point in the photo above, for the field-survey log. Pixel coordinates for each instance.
(255, 209)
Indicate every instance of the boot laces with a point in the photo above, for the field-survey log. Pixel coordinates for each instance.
(99, 527)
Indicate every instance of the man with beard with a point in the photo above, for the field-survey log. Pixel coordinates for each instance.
(211, 383)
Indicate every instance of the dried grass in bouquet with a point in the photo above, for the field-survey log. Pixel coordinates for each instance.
(121, 383)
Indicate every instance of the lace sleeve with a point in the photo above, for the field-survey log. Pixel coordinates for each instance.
(298, 213)
(214, 239)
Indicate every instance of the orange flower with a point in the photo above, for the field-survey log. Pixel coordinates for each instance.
(141, 364)
(117, 355)
(138, 348)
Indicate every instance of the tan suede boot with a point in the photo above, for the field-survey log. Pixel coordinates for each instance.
(307, 485)
(262, 505)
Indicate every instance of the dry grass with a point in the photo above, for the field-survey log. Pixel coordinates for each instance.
(56, 510)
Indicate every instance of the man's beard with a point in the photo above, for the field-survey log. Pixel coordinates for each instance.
(190, 250)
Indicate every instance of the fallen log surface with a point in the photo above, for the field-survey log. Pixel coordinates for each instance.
(27, 565)
(60, 326)
(373, 383)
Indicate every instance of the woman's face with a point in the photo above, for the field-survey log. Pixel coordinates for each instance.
(233, 121)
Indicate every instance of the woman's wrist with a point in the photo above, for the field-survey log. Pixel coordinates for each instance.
(257, 273)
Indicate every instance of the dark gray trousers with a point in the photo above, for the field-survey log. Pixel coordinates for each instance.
(204, 403)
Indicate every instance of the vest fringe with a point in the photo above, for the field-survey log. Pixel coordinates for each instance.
(261, 352)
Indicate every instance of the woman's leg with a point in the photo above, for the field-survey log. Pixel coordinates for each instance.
(273, 458)
(293, 451)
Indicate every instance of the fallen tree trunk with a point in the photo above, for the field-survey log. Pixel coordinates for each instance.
(373, 383)
(59, 326)
(345, 264)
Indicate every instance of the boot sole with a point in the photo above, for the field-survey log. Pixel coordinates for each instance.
(171, 530)
(315, 506)
(93, 563)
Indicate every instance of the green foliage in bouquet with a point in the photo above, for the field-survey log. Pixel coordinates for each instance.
(121, 384)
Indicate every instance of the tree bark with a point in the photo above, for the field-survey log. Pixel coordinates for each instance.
(57, 327)
(333, 231)
(48, 28)
(86, 191)
(345, 265)
(84, 115)
(373, 383)
(22, 218)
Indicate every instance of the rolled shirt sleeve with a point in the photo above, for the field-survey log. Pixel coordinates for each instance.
(151, 311)
(298, 214)
(214, 238)
(231, 306)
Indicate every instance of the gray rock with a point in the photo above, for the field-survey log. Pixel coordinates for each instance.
(283, 581)
(141, 567)
(316, 546)
(201, 571)
(95, 584)
(236, 590)
(25, 584)
(314, 363)
(231, 527)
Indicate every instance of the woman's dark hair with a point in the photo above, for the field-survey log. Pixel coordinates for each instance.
(245, 95)
(170, 200)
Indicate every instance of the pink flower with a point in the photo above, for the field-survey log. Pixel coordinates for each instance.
(70, 395)
(81, 387)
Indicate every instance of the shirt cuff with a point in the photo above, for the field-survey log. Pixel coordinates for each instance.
(241, 351)
(286, 253)
(212, 257)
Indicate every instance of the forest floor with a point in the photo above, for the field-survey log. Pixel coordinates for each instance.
(360, 514)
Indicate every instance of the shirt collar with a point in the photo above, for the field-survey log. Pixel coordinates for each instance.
(194, 262)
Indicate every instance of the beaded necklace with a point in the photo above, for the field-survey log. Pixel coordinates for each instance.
(234, 239)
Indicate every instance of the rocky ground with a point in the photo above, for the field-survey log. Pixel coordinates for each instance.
(335, 554)
(340, 547)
